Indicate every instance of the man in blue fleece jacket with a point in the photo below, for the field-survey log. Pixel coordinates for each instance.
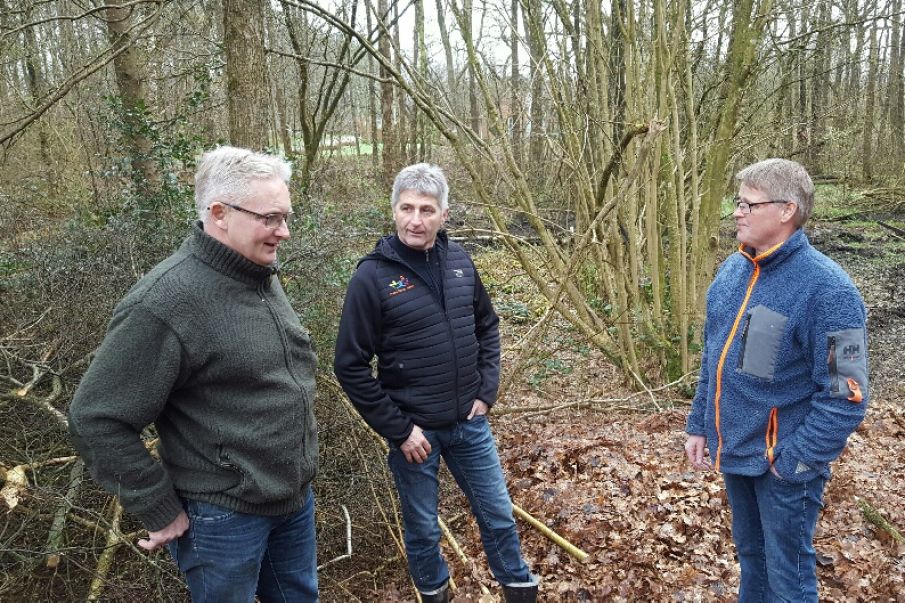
(783, 381)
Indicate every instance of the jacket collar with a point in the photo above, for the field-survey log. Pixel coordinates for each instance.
(225, 260)
(384, 249)
(778, 253)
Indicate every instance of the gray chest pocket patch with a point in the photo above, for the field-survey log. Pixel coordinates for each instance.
(760, 341)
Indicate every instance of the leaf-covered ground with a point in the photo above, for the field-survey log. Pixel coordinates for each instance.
(619, 489)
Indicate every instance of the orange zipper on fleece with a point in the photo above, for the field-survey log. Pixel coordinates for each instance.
(772, 433)
(738, 319)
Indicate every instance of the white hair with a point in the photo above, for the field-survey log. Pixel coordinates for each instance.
(423, 178)
(224, 175)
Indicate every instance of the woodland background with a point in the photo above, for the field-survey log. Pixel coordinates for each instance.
(591, 148)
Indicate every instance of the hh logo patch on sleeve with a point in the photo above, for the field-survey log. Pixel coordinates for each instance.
(847, 363)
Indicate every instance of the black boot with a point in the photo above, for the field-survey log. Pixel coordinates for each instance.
(520, 594)
(441, 596)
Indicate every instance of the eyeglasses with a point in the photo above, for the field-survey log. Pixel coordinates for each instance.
(271, 221)
(745, 207)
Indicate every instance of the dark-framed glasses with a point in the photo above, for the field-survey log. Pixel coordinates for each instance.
(745, 207)
(271, 221)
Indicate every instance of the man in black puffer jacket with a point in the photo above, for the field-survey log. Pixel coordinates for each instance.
(418, 304)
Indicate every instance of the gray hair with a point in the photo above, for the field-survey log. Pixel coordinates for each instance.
(424, 178)
(782, 180)
(224, 174)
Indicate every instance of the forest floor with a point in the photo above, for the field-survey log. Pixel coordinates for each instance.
(615, 482)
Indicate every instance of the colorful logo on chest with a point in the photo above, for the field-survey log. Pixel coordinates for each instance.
(400, 286)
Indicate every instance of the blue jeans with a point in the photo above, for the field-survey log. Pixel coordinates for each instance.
(773, 522)
(470, 454)
(228, 556)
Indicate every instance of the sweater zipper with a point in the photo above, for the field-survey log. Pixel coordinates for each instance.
(299, 411)
(283, 339)
(286, 355)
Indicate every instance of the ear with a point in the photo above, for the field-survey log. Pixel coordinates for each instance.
(217, 212)
(788, 212)
(445, 215)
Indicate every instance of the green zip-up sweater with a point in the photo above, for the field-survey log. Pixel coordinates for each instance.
(206, 347)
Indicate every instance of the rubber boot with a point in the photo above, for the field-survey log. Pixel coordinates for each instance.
(520, 594)
(439, 596)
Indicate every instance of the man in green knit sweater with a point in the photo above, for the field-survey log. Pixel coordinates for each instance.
(207, 348)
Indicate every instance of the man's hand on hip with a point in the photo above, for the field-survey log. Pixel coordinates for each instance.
(696, 450)
(416, 448)
(478, 408)
(157, 539)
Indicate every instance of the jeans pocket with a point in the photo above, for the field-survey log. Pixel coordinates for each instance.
(200, 511)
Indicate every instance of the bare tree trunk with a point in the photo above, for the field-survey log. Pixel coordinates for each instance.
(277, 91)
(34, 76)
(135, 110)
(282, 124)
(747, 31)
(804, 135)
(897, 87)
(474, 113)
(4, 26)
(819, 85)
(246, 88)
(531, 11)
(391, 163)
(419, 131)
(402, 114)
(515, 108)
(447, 50)
(372, 105)
(617, 68)
(867, 141)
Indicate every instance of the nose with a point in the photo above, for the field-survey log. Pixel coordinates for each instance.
(416, 217)
(282, 230)
(737, 212)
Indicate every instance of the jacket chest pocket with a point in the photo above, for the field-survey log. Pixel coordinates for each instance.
(761, 337)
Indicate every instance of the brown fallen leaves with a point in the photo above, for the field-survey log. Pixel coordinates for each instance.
(619, 488)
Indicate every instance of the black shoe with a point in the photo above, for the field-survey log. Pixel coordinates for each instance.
(520, 594)
(441, 596)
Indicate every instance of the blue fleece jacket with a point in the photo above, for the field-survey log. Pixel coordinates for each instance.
(784, 369)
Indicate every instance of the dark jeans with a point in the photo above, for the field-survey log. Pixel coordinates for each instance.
(470, 453)
(773, 523)
(228, 556)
